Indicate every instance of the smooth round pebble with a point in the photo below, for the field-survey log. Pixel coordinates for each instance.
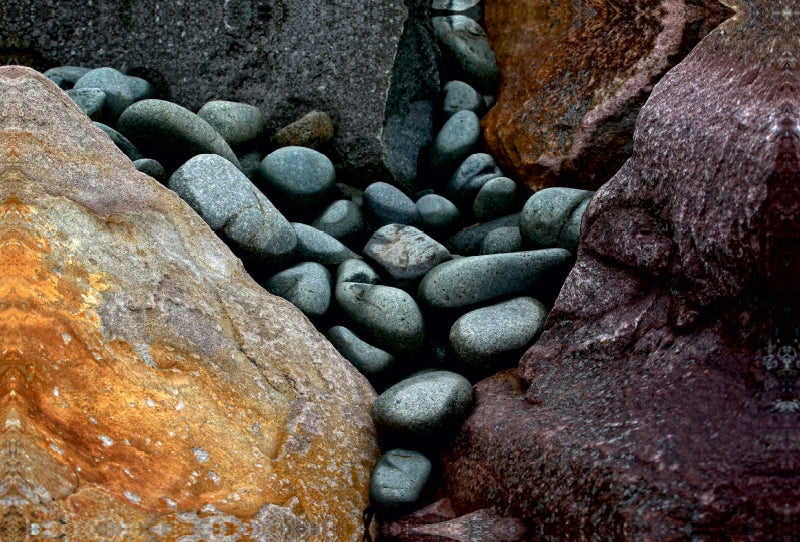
(115, 85)
(455, 141)
(370, 360)
(468, 241)
(424, 405)
(313, 130)
(356, 270)
(120, 141)
(438, 214)
(151, 167)
(141, 89)
(404, 253)
(233, 206)
(298, 178)
(386, 316)
(399, 478)
(236, 122)
(317, 246)
(497, 197)
(343, 219)
(465, 45)
(66, 76)
(386, 204)
(90, 100)
(488, 338)
(474, 172)
(501, 241)
(547, 212)
(307, 286)
(459, 96)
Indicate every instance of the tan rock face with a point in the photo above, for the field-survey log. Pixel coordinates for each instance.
(149, 389)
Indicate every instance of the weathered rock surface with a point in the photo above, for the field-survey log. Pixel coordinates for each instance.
(151, 390)
(662, 401)
(574, 76)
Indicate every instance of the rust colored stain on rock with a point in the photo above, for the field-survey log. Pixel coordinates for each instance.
(662, 402)
(574, 76)
(149, 389)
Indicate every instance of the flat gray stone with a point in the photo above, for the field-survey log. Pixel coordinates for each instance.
(386, 316)
(386, 204)
(343, 219)
(459, 96)
(120, 141)
(474, 172)
(439, 215)
(455, 141)
(469, 281)
(299, 179)
(404, 253)
(399, 478)
(466, 47)
(170, 133)
(468, 241)
(405, 134)
(425, 405)
(317, 246)
(236, 122)
(356, 270)
(306, 285)
(493, 337)
(501, 241)
(90, 100)
(151, 167)
(551, 218)
(371, 361)
(115, 85)
(234, 208)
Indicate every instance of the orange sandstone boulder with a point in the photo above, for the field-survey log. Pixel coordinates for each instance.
(150, 390)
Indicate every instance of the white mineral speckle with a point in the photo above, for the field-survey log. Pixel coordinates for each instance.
(66, 338)
(150, 402)
(106, 441)
(56, 449)
(133, 497)
(200, 454)
(214, 476)
(179, 406)
(55, 391)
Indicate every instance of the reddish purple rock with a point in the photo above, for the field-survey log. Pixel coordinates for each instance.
(663, 400)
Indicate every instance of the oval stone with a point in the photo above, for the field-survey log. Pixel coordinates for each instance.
(298, 178)
(307, 286)
(404, 253)
(547, 213)
(399, 478)
(236, 122)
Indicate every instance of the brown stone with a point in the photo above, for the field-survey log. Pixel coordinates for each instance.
(150, 389)
(662, 401)
(312, 130)
(574, 76)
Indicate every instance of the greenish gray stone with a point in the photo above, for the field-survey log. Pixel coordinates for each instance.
(90, 100)
(307, 286)
(547, 218)
(399, 478)
(236, 122)
(370, 360)
(317, 246)
(464, 44)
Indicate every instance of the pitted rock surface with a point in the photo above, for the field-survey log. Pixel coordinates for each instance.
(662, 401)
(151, 390)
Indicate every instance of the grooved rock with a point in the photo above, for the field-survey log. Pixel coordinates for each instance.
(151, 389)
(573, 77)
(662, 401)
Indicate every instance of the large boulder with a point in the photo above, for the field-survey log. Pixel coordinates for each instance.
(368, 64)
(573, 77)
(662, 401)
(152, 390)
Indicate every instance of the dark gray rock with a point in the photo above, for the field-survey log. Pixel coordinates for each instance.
(474, 172)
(115, 85)
(249, 162)
(552, 218)
(386, 204)
(317, 246)
(170, 133)
(399, 478)
(151, 167)
(66, 76)
(497, 197)
(455, 141)
(120, 141)
(428, 404)
(90, 100)
(343, 219)
(298, 179)
(468, 241)
(501, 241)
(371, 361)
(356, 270)
(466, 47)
(404, 253)
(234, 208)
(489, 339)
(386, 316)
(236, 122)
(459, 96)
(438, 214)
(404, 136)
(307, 286)
(470, 281)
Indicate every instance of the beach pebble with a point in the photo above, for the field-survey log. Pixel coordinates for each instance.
(115, 86)
(474, 172)
(465, 45)
(399, 478)
(356, 270)
(552, 217)
(306, 285)
(299, 179)
(151, 167)
(236, 122)
(455, 141)
(66, 76)
(371, 361)
(501, 241)
(497, 197)
(342, 219)
(468, 241)
(317, 246)
(404, 253)
(141, 89)
(120, 141)
(386, 204)
(438, 214)
(90, 100)
(459, 96)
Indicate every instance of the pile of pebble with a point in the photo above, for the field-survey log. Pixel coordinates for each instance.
(424, 292)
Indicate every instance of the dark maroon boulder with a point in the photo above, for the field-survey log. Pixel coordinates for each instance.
(662, 401)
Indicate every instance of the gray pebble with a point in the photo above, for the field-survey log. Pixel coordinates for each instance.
(234, 207)
(438, 214)
(487, 338)
(317, 246)
(120, 141)
(455, 140)
(468, 241)
(66, 76)
(342, 219)
(151, 167)
(404, 253)
(236, 122)
(399, 478)
(170, 133)
(474, 172)
(459, 96)
(466, 282)
(307, 286)
(502, 241)
(497, 197)
(386, 204)
(370, 360)
(114, 84)
(386, 316)
(464, 43)
(546, 215)
(250, 162)
(90, 100)
(298, 178)
(356, 270)
(141, 89)
(424, 405)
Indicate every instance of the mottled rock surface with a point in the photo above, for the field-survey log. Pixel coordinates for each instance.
(662, 401)
(151, 390)
(573, 77)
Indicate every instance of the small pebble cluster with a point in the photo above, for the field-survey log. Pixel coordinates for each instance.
(424, 293)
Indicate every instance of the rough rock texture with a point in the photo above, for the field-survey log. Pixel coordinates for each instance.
(364, 62)
(574, 76)
(662, 401)
(150, 389)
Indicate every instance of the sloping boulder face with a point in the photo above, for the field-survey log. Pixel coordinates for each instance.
(662, 401)
(573, 77)
(150, 389)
